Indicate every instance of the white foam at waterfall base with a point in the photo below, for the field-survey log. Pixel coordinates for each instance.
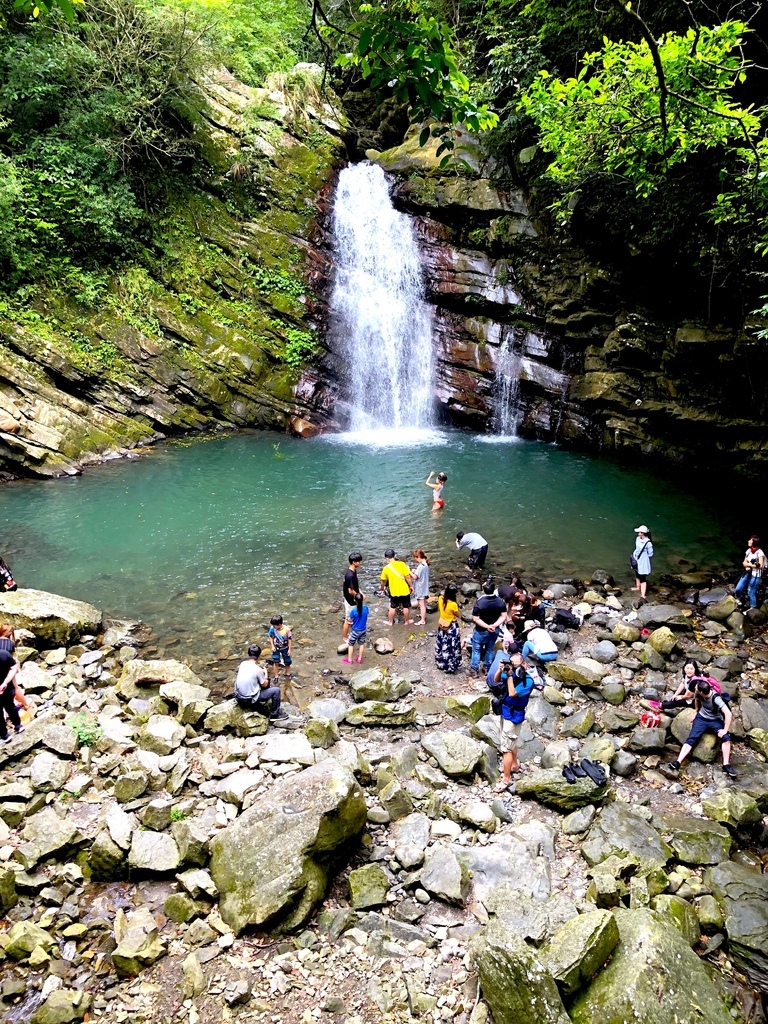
(390, 437)
(381, 327)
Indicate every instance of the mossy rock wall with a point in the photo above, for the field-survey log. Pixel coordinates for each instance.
(219, 328)
(597, 366)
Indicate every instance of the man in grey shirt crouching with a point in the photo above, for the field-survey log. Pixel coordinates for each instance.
(252, 689)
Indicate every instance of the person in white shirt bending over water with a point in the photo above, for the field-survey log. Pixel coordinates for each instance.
(441, 480)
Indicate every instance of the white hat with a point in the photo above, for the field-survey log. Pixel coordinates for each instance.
(530, 624)
(642, 529)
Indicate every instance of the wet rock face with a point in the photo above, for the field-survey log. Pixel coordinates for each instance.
(592, 370)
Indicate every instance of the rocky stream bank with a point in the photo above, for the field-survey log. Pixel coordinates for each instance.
(167, 857)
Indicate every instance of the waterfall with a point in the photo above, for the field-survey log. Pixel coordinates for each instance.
(508, 365)
(380, 324)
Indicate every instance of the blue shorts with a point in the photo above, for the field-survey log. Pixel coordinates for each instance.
(356, 636)
(701, 725)
(282, 655)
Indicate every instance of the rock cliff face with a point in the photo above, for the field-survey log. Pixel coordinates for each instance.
(214, 332)
(523, 321)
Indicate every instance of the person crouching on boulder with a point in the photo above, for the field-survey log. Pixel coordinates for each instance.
(513, 675)
(252, 689)
(712, 715)
(8, 669)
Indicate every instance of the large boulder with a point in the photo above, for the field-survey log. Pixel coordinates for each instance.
(374, 712)
(695, 841)
(550, 788)
(377, 685)
(577, 673)
(456, 753)
(162, 735)
(153, 851)
(63, 1006)
(721, 610)
(534, 920)
(155, 673)
(754, 714)
(410, 836)
(444, 875)
(654, 977)
(515, 985)
(229, 715)
(580, 948)
(622, 832)
(468, 707)
(46, 833)
(53, 619)
(272, 863)
(681, 914)
(742, 895)
(731, 807)
(663, 640)
(654, 615)
(138, 941)
(507, 864)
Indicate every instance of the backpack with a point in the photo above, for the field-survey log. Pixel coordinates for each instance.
(717, 687)
(564, 617)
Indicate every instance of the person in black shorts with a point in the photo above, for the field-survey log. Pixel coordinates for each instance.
(350, 588)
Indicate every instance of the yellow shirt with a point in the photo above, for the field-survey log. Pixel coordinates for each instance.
(395, 574)
(449, 611)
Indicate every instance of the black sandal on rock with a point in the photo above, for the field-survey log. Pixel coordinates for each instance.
(594, 771)
(568, 773)
(578, 771)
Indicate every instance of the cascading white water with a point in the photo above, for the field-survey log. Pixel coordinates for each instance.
(508, 365)
(380, 324)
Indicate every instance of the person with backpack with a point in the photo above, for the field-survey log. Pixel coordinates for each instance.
(712, 715)
(754, 564)
(8, 669)
(512, 687)
(640, 559)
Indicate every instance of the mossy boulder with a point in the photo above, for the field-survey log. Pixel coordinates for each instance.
(695, 841)
(374, 684)
(548, 787)
(468, 707)
(681, 914)
(514, 982)
(53, 619)
(580, 948)
(654, 977)
(621, 832)
(368, 886)
(731, 807)
(272, 864)
(63, 1006)
(742, 895)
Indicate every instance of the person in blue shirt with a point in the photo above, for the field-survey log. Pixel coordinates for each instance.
(358, 625)
(513, 683)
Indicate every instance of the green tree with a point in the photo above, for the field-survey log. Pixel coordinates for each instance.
(635, 110)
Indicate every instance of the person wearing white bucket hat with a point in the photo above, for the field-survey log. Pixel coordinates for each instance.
(640, 559)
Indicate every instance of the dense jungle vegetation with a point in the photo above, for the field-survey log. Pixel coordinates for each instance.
(640, 130)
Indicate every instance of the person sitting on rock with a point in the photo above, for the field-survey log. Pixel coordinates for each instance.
(252, 689)
(685, 694)
(8, 669)
(515, 677)
(539, 645)
(712, 715)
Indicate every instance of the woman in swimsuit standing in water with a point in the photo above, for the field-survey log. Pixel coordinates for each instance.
(441, 479)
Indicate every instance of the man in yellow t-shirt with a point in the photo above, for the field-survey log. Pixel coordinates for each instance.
(397, 577)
